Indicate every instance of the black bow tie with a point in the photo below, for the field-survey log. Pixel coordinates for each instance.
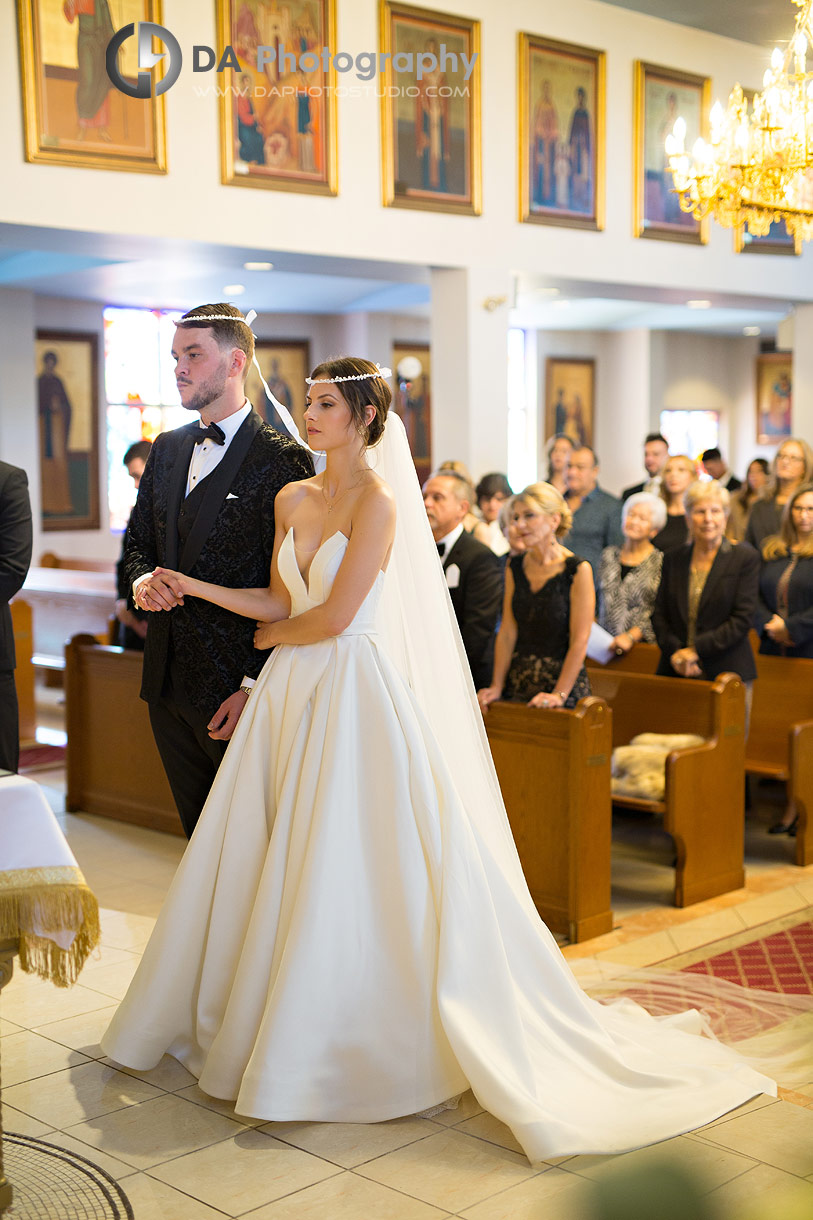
(441, 548)
(212, 433)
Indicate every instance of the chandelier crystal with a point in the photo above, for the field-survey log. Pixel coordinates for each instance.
(757, 166)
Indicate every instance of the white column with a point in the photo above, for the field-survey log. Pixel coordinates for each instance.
(470, 310)
(802, 412)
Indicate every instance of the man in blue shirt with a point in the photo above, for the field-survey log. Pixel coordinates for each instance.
(596, 514)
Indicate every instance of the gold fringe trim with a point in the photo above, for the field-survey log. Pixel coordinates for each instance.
(55, 904)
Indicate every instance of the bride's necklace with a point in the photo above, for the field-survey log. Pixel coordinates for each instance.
(331, 503)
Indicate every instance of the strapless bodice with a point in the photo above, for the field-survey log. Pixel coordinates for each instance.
(324, 566)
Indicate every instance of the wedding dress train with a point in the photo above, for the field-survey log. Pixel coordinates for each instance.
(341, 943)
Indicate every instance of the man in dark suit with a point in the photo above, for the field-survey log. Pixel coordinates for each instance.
(205, 507)
(15, 557)
(716, 468)
(474, 574)
(656, 451)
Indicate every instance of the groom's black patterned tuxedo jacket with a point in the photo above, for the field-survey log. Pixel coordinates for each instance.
(227, 525)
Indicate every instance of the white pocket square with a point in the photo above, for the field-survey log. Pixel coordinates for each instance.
(452, 576)
(231, 496)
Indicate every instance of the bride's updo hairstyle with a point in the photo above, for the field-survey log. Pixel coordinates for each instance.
(359, 392)
(545, 499)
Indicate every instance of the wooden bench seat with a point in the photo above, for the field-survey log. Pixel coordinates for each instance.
(780, 739)
(113, 765)
(64, 603)
(554, 772)
(21, 621)
(704, 801)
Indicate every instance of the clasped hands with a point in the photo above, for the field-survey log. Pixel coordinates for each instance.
(544, 699)
(686, 662)
(163, 589)
(777, 630)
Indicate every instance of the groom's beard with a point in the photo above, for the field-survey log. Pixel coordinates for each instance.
(208, 391)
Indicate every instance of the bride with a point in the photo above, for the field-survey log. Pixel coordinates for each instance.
(349, 936)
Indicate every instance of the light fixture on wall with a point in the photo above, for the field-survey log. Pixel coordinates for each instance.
(757, 167)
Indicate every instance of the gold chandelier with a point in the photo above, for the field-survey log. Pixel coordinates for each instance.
(757, 168)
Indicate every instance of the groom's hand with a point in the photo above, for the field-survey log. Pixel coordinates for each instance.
(224, 721)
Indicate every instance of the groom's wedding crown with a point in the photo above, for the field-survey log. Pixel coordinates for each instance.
(380, 372)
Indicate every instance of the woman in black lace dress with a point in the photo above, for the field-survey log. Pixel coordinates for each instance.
(548, 609)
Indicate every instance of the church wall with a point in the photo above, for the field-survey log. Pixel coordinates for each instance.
(191, 204)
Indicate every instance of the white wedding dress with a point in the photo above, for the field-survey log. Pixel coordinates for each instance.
(341, 942)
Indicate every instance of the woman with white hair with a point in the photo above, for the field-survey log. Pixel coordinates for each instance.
(629, 574)
(708, 594)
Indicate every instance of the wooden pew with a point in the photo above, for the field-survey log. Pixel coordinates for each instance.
(554, 772)
(780, 738)
(50, 560)
(780, 743)
(114, 768)
(24, 674)
(63, 603)
(704, 802)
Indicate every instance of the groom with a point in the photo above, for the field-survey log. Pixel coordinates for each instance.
(205, 507)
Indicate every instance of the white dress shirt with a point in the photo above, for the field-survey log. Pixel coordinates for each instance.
(449, 540)
(208, 455)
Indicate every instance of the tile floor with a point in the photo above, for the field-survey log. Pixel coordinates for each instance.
(181, 1155)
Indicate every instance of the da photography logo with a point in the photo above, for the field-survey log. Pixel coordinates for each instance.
(147, 59)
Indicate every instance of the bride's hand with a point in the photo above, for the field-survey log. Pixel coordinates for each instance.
(265, 636)
(488, 695)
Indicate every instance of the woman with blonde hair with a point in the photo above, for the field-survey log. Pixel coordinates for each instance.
(678, 473)
(547, 611)
(792, 466)
(742, 501)
(707, 597)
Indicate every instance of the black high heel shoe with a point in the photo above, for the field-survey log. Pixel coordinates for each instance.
(784, 828)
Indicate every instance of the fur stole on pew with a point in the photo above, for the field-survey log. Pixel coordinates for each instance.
(639, 769)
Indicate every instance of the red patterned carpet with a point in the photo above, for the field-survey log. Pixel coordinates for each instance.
(782, 961)
(41, 758)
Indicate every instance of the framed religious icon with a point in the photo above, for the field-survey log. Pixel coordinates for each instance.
(412, 373)
(278, 112)
(776, 241)
(561, 133)
(285, 364)
(430, 110)
(774, 397)
(661, 97)
(569, 398)
(67, 405)
(72, 111)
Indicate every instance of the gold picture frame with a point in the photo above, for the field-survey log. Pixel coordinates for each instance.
(660, 96)
(430, 128)
(72, 113)
(67, 373)
(776, 241)
(412, 400)
(278, 130)
(774, 376)
(285, 363)
(561, 166)
(570, 406)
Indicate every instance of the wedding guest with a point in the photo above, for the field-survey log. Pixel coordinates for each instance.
(656, 451)
(707, 597)
(742, 501)
(472, 523)
(15, 557)
(132, 629)
(792, 466)
(678, 473)
(716, 468)
(472, 570)
(596, 514)
(785, 614)
(629, 575)
(492, 492)
(560, 449)
(548, 607)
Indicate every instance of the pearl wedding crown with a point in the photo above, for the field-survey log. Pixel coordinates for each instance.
(380, 372)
